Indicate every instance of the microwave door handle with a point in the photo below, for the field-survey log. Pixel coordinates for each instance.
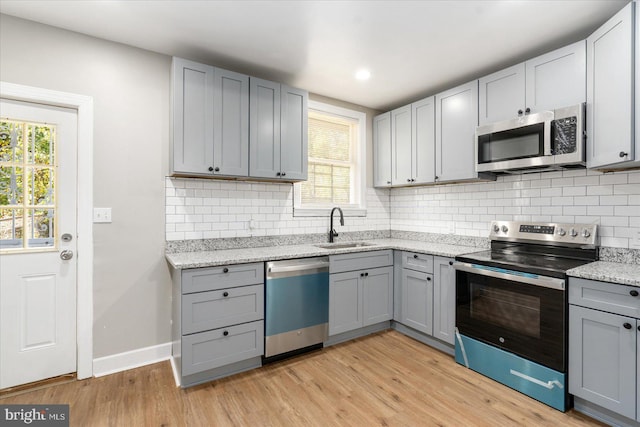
(547, 136)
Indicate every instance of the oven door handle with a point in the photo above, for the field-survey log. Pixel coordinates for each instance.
(531, 279)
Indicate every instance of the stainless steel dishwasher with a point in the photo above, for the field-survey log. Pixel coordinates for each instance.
(296, 305)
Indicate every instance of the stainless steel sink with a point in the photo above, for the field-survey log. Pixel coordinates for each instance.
(344, 245)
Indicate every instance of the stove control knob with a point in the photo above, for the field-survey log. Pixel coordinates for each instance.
(561, 232)
(585, 233)
(505, 228)
(573, 232)
(496, 228)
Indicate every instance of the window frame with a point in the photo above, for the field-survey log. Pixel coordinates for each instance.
(359, 151)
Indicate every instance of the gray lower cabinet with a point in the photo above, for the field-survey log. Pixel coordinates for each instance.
(360, 290)
(210, 120)
(417, 300)
(603, 345)
(218, 321)
(444, 299)
(278, 132)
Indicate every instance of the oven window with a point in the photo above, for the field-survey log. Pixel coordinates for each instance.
(520, 143)
(510, 310)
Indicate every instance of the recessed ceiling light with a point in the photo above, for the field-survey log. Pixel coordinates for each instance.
(363, 74)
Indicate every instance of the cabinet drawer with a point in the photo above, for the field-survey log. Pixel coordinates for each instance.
(215, 309)
(611, 297)
(360, 261)
(417, 261)
(212, 278)
(212, 349)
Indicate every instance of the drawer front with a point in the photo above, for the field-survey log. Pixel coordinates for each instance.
(215, 309)
(611, 297)
(360, 261)
(213, 349)
(418, 262)
(212, 278)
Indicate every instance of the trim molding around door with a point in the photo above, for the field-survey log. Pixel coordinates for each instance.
(84, 106)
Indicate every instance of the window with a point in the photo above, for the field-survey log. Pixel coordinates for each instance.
(336, 162)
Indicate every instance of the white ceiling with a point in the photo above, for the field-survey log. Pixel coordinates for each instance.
(413, 48)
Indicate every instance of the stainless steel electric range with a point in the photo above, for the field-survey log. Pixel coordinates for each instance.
(512, 309)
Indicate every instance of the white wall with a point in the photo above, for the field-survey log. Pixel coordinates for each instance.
(611, 200)
(130, 89)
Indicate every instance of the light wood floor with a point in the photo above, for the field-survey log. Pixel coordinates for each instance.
(385, 379)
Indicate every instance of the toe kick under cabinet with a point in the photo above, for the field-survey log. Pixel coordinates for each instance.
(218, 321)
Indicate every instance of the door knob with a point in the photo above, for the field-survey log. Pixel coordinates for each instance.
(66, 255)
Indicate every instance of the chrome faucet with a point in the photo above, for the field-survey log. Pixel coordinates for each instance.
(332, 231)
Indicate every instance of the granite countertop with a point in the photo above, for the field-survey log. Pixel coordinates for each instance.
(614, 272)
(184, 260)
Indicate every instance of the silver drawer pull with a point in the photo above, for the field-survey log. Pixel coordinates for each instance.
(548, 384)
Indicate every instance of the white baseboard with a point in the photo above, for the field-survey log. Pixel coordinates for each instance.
(131, 359)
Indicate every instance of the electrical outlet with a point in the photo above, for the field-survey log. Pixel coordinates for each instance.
(634, 243)
(101, 215)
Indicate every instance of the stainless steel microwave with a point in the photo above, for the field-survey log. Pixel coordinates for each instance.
(548, 140)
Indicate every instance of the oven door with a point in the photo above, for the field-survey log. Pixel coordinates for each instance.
(518, 312)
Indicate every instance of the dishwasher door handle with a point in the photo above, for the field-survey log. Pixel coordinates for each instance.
(299, 267)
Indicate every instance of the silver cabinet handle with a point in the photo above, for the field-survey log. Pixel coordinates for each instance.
(66, 255)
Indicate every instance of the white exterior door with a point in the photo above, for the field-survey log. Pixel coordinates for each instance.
(38, 204)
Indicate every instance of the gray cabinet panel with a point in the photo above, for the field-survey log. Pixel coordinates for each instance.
(502, 94)
(401, 146)
(293, 150)
(345, 302)
(378, 295)
(264, 143)
(456, 121)
(360, 261)
(602, 359)
(219, 347)
(382, 150)
(417, 300)
(638, 369)
(444, 300)
(423, 136)
(603, 296)
(215, 309)
(231, 123)
(417, 261)
(610, 95)
(557, 79)
(192, 104)
(212, 278)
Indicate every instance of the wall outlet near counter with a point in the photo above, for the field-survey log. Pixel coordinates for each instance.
(634, 242)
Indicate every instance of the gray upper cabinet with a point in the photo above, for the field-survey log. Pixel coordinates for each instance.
(610, 96)
(456, 122)
(553, 80)
(550, 81)
(210, 120)
(382, 150)
(401, 145)
(444, 299)
(278, 131)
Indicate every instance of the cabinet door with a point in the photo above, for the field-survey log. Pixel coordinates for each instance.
(502, 94)
(401, 146)
(293, 130)
(417, 301)
(638, 367)
(264, 133)
(345, 302)
(382, 150)
(423, 136)
(192, 110)
(230, 123)
(602, 359)
(610, 91)
(456, 121)
(444, 299)
(378, 295)
(557, 79)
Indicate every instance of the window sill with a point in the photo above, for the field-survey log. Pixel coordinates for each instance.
(325, 212)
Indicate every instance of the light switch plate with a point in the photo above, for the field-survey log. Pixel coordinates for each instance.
(101, 215)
